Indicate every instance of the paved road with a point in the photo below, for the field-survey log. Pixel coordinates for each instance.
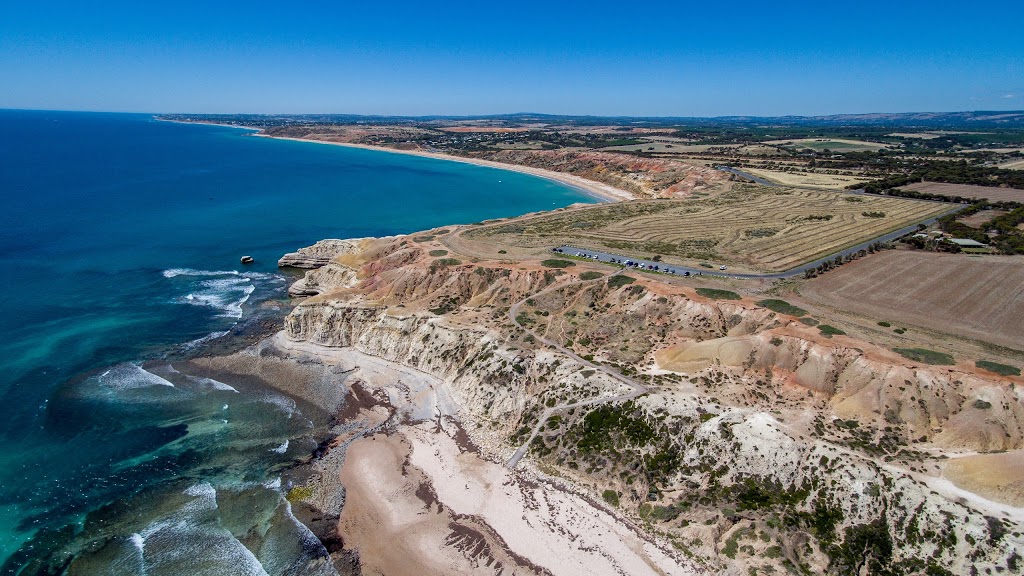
(746, 175)
(638, 388)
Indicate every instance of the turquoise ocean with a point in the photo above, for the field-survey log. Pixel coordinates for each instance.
(120, 239)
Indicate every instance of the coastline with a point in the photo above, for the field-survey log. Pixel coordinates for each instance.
(596, 190)
(159, 119)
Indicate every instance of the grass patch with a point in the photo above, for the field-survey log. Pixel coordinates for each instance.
(884, 324)
(427, 238)
(926, 356)
(716, 294)
(556, 263)
(1001, 369)
(829, 331)
(782, 307)
(619, 281)
(809, 321)
(590, 275)
(436, 253)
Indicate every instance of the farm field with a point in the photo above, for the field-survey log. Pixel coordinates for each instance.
(981, 298)
(829, 181)
(753, 227)
(979, 219)
(1015, 165)
(837, 145)
(968, 191)
(660, 146)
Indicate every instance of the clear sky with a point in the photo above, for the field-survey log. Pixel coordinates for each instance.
(676, 58)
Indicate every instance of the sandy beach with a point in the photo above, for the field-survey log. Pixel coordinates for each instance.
(602, 192)
(422, 499)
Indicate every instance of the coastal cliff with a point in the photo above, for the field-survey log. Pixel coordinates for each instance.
(760, 443)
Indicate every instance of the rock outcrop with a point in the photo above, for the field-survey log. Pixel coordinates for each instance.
(320, 254)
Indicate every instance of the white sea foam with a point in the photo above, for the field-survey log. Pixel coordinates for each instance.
(284, 403)
(204, 339)
(282, 448)
(225, 294)
(224, 290)
(173, 272)
(215, 384)
(190, 536)
(128, 376)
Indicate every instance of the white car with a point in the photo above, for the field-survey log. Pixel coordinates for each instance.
(722, 267)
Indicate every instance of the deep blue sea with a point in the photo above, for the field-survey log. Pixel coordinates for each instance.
(120, 239)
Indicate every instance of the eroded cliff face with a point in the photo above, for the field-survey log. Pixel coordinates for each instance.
(761, 443)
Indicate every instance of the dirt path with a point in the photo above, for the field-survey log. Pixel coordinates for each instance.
(638, 389)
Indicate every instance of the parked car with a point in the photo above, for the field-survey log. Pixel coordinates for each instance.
(722, 267)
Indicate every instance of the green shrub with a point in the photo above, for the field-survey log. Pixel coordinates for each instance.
(590, 275)
(809, 321)
(1001, 369)
(619, 281)
(782, 307)
(611, 497)
(981, 404)
(502, 252)
(716, 294)
(446, 262)
(884, 324)
(557, 263)
(829, 331)
(925, 356)
(436, 253)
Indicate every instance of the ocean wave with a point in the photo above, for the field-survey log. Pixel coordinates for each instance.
(224, 294)
(283, 403)
(189, 537)
(200, 341)
(215, 384)
(282, 448)
(174, 272)
(128, 376)
(223, 290)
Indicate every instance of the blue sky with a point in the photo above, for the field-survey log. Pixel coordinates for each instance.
(619, 58)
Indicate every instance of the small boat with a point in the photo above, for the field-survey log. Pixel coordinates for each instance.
(247, 260)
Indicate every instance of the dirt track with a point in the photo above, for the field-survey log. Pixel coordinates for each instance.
(981, 298)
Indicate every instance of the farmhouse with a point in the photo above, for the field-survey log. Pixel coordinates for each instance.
(967, 243)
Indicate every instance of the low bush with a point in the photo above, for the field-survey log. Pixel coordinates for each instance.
(925, 356)
(590, 275)
(716, 294)
(829, 331)
(611, 497)
(782, 307)
(437, 253)
(1001, 369)
(619, 281)
(445, 262)
(556, 263)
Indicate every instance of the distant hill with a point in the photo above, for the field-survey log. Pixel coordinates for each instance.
(931, 120)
